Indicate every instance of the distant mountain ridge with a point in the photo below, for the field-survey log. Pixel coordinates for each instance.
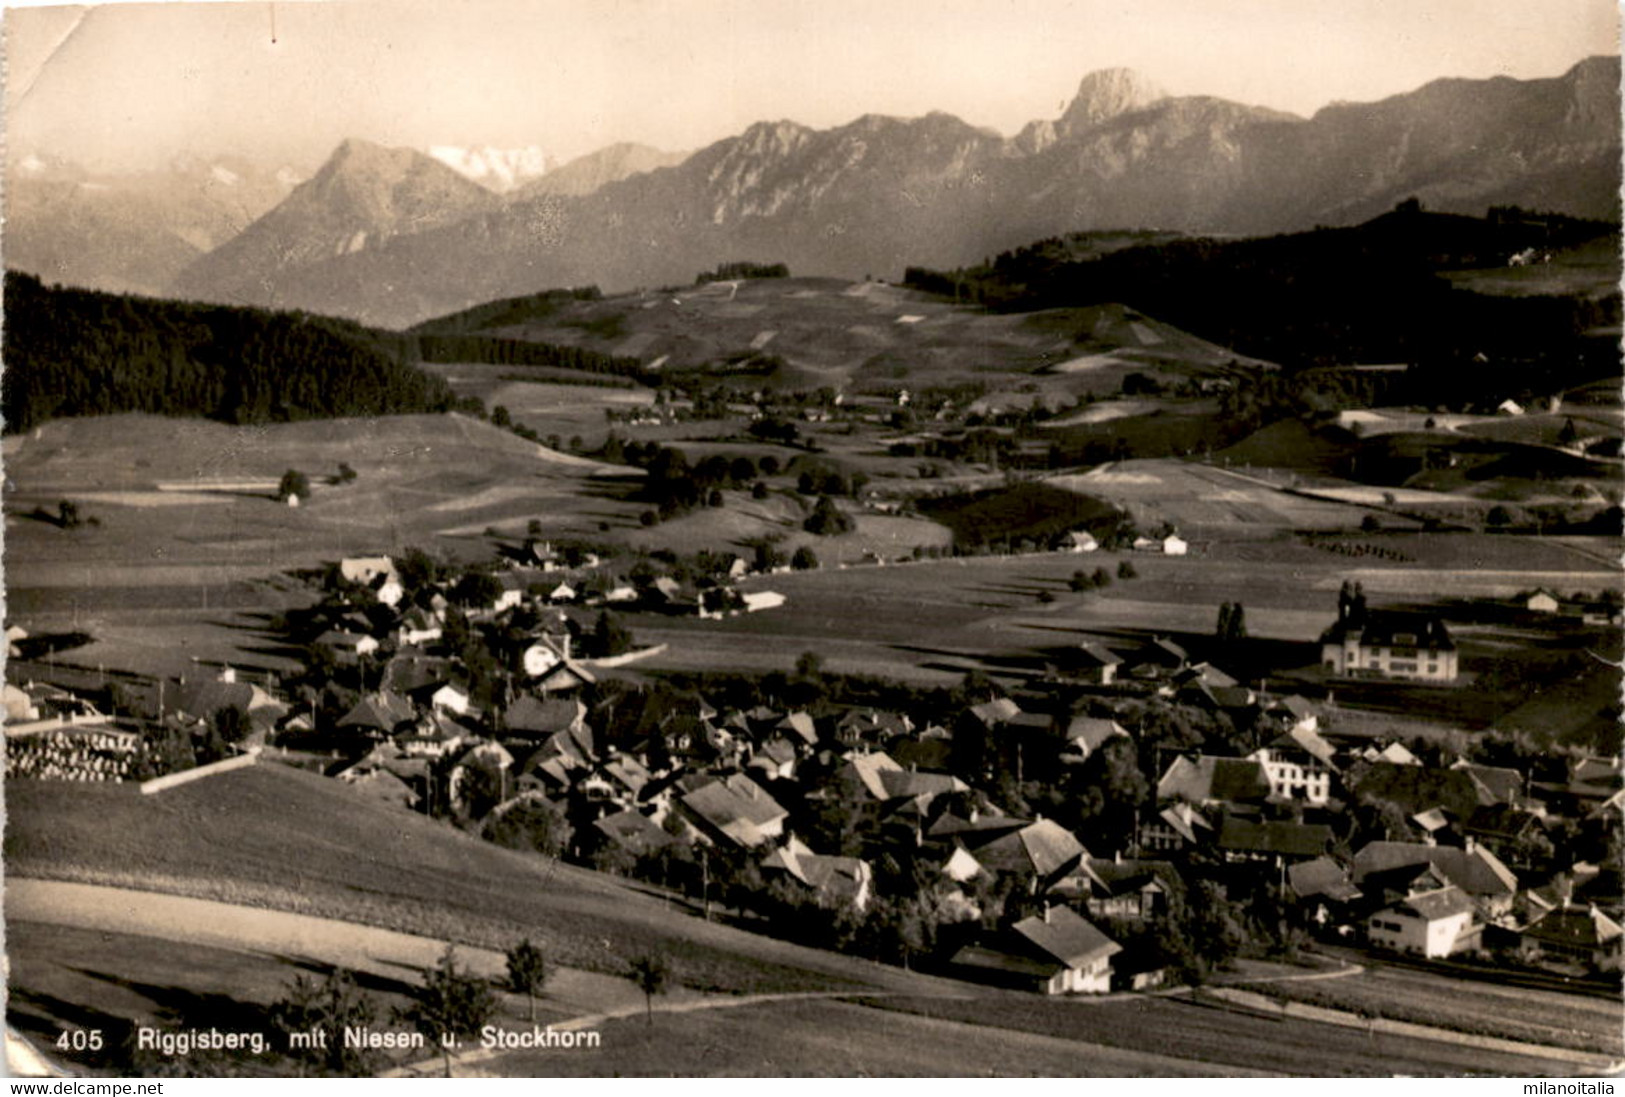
(134, 232)
(880, 193)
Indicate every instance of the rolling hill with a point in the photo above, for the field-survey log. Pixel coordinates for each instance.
(284, 839)
(867, 336)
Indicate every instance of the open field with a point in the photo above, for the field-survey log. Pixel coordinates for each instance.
(1203, 500)
(931, 621)
(1504, 1012)
(1226, 1038)
(545, 406)
(870, 335)
(157, 584)
(840, 1039)
(1590, 270)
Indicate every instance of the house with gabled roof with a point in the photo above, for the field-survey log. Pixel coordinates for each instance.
(346, 648)
(834, 881)
(632, 831)
(1476, 871)
(1043, 853)
(1441, 922)
(1086, 734)
(543, 654)
(1325, 887)
(1128, 889)
(1279, 841)
(1389, 644)
(566, 677)
(429, 736)
(1493, 784)
(1209, 779)
(1299, 766)
(735, 811)
(378, 714)
(1176, 828)
(1057, 952)
(535, 717)
(774, 760)
(1580, 935)
(1093, 663)
(798, 727)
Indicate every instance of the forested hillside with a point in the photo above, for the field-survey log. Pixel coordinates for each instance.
(1373, 293)
(74, 352)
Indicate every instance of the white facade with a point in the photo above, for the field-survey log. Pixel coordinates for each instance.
(1293, 777)
(1403, 928)
(1354, 658)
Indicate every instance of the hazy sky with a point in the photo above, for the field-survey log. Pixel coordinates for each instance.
(119, 86)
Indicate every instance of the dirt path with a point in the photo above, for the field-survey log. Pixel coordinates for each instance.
(293, 936)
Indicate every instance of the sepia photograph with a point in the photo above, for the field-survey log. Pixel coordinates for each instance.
(813, 538)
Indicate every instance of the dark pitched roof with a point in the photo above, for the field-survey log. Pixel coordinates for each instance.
(1322, 877)
(633, 830)
(1477, 873)
(1097, 654)
(1042, 848)
(542, 715)
(382, 710)
(1583, 927)
(1062, 934)
(1279, 837)
(1213, 778)
(1392, 629)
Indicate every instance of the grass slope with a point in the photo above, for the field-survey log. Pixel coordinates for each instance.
(831, 332)
(280, 838)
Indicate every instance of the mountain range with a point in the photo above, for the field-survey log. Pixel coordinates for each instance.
(392, 237)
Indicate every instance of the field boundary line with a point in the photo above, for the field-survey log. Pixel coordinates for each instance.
(1345, 1019)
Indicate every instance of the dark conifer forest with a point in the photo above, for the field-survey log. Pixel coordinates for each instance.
(71, 352)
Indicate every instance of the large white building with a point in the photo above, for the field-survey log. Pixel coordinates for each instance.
(1389, 644)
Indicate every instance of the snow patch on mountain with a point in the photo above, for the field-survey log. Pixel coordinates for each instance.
(500, 170)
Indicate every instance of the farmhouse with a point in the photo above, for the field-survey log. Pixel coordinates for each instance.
(1389, 644)
(1057, 952)
(1094, 663)
(1434, 923)
(834, 881)
(1574, 935)
(1542, 601)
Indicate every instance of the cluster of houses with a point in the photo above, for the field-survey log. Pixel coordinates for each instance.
(1468, 859)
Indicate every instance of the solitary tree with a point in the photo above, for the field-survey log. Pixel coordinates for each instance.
(67, 514)
(1125, 570)
(452, 1003)
(527, 972)
(805, 559)
(651, 973)
(329, 1006)
(293, 483)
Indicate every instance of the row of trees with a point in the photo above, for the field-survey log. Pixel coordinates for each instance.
(451, 1005)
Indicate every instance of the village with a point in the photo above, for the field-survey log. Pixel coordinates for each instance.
(1133, 818)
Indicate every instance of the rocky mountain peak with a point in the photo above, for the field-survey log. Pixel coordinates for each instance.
(1107, 93)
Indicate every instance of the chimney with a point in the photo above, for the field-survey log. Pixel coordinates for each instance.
(1046, 912)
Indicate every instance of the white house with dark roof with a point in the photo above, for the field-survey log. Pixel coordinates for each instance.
(1057, 952)
(1434, 923)
(1389, 644)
